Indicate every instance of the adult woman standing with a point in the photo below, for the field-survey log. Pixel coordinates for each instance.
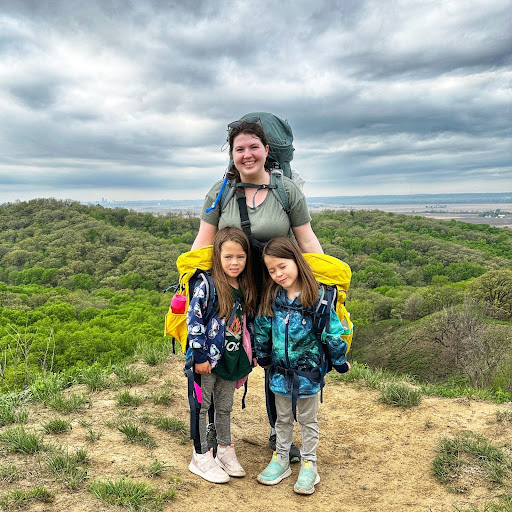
(248, 150)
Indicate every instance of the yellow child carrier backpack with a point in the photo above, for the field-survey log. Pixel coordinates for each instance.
(192, 265)
(334, 275)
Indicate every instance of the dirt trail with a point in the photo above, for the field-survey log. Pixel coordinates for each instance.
(371, 457)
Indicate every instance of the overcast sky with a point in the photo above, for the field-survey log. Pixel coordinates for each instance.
(129, 100)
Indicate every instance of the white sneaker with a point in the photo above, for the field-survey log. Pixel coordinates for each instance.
(204, 465)
(226, 459)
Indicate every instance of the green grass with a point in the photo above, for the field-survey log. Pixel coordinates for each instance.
(19, 498)
(9, 472)
(162, 398)
(69, 468)
(69, 404)
(129, 376)
(153, 353)
(156, 468)
(503, 504)
(377, 378)
(17, 439)
(9, 414)
(135, 434)
(95, 378)
(468, 451)
(125, 399)
(56, 426)
(504, 416)
(45, 387)
(134, 496)
(400, 394)
(92, 436)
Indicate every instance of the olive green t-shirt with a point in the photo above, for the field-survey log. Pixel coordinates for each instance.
(268, 220)
(234, 363)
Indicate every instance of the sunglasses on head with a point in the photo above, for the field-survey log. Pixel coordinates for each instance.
(234, 124)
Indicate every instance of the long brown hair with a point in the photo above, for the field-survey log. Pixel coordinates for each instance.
(245, 278)
(286, 248)
(246, 128)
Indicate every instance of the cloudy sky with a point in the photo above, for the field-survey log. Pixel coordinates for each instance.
(129, 99)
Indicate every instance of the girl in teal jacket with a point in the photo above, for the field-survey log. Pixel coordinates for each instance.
(287, 345)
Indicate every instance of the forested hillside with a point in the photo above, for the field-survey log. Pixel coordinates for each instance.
(83, 284)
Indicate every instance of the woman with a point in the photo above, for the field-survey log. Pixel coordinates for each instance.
(248, 150)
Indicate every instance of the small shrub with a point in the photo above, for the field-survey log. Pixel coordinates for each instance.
(400, 394)
(56, 426)
(125, 399)
(19, 440)
(45, 387)
(134, 434)
(9, 414)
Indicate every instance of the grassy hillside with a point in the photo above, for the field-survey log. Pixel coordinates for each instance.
(82, 284)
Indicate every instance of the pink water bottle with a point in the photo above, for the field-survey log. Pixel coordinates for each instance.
(178, 304)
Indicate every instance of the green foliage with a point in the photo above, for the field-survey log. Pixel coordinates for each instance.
(125, 399)
(135, 434)
(18, 498)
(401, 394)
(135, 496)
(70, 468)
(56, 426)
(465, 453)
(17, 439)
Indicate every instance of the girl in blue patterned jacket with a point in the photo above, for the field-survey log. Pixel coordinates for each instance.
(222, 349)
(286, 343)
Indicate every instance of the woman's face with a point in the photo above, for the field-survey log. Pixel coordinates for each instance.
(249, 155)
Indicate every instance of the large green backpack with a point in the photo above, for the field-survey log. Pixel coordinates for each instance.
(280, 141)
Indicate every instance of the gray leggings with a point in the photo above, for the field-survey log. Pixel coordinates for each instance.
(307, 410)
(223, 393)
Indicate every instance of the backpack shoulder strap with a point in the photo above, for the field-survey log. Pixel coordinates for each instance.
(227, 193)
(322, 312)
(202, 276)
(277, 187)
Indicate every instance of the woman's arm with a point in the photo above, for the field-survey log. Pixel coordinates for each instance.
(306, 238)
(205, 235)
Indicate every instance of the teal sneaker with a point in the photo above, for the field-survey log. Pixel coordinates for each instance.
(278, 469)
(308, 478)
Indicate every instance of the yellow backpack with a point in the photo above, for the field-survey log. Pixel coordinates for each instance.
(192, 265)
(335, 275)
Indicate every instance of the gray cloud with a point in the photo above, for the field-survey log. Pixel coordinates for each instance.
(131, 99)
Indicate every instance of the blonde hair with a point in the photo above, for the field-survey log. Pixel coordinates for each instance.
(286, 248)
(245, 279)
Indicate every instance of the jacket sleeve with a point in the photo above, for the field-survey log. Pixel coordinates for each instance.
(195, 324)
(263, 339)
(336, 345)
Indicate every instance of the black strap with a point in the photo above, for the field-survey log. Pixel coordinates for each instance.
(188, 370)
(314, 375)
(270, 400)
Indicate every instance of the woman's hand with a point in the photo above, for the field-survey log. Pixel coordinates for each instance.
(202, 368)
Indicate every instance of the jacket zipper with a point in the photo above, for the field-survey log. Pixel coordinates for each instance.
(286, 323)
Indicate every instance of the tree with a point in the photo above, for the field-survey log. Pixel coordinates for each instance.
(494, 289)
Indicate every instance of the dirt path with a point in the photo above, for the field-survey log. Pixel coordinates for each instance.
(371, 457)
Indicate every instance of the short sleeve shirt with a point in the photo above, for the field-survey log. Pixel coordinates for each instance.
(268, 220)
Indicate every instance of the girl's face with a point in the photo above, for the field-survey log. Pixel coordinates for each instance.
(249, 155)
(233, 259)
(285, 273)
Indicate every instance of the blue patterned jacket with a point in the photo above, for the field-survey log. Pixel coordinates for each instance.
(288, 340)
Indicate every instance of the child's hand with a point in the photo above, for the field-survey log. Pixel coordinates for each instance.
(203, 367)
(342, 368)
(254, 362)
